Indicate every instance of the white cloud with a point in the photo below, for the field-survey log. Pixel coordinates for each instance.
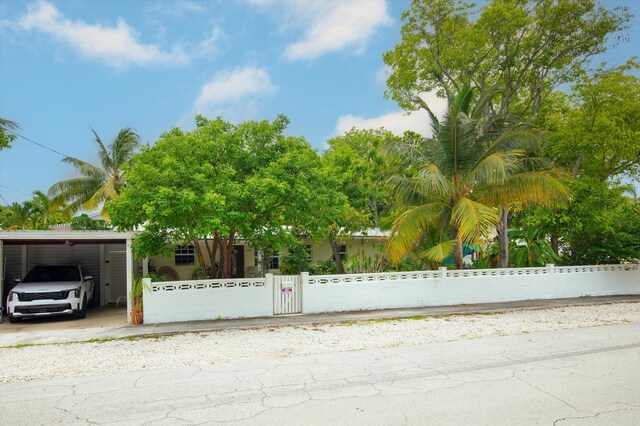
(117, 46)
(329, 25)
(210, 45)
(228, 87)
(383, 74)
(396, 122)
(338, 25)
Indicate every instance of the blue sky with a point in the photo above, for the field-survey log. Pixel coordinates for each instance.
(151, 65)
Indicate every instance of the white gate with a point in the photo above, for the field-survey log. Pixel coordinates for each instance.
(287, 294)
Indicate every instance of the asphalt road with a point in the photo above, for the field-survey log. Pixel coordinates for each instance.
(581, 376)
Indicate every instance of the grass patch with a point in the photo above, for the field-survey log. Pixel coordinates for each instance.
(103, 340)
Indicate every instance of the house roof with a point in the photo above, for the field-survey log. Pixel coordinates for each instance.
(39, 236)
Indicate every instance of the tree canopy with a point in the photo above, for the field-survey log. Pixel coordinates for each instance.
(221, 182)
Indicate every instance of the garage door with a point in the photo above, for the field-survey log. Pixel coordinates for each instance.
(87, 255)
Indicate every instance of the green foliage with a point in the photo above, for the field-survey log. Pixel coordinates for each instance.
(357, 162)
(39, 213)
(98, 184)
(6, 137)
(604, 224)
(530, 248)
(595, 130)
(525, 47)
(454, 180)
(84, 222)
(221, 181)
(328, 267)
(295, 261)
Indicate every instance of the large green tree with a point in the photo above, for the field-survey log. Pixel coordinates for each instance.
(456, 178)
(357, 163)
(98, 184)
(525, 47)
(221, 182)
(594, 131)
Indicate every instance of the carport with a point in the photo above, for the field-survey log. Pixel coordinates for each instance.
(106, 255)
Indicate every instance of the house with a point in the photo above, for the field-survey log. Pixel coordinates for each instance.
(247, 260)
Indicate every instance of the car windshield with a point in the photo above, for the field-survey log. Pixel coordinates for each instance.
(52, 273)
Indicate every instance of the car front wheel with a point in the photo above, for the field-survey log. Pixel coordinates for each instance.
(82, 312)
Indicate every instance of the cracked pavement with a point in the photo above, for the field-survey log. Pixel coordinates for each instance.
(564, 377)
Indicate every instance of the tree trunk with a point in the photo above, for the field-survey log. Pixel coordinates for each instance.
(576, 166)
(503, 237)
(201, 262)
(459, 253)
(336, 254)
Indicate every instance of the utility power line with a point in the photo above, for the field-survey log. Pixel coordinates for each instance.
(37, 143)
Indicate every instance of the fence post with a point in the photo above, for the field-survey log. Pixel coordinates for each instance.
(304, 282)
(550, 268)
(443, 272)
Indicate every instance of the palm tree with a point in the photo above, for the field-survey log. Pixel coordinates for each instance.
(473, 163)
(97, 184)
(16, 216)
(47, 211)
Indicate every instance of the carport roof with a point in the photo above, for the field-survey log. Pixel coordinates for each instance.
(63, 236)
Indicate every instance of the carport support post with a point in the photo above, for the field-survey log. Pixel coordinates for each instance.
(1, 276)
(129, 271)
(145, 266)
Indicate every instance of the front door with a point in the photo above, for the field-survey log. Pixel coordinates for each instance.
(238, 262)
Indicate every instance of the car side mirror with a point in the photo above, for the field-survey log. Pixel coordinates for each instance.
(88, 277)
(17, 280)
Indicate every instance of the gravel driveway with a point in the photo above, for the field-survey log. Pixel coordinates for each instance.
(85, 359)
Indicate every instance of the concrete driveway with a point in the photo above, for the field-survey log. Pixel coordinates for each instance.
(579, 376)
(100, 316)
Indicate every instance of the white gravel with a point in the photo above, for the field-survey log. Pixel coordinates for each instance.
(86, 359)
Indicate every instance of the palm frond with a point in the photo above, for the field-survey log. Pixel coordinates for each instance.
(473, 220)
(85, 169)
(408, 228)
(123, 146)
(103, 152)
(439, 252)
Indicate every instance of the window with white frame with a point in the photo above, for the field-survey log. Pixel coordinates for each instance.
(274, 260)
(185, 255)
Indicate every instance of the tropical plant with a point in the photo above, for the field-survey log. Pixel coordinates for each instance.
(98, 184)
(530, 248)
(456, 179)
(16, 216)
(137, 301)
(45, 211)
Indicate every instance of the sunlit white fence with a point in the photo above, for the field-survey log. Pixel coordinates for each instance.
(335, 293)
(257, 297)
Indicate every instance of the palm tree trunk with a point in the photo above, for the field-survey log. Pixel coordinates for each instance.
(503, 237)
(459, 254)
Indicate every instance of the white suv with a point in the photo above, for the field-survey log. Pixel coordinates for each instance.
(51, 290)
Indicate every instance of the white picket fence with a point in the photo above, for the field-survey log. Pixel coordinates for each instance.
(272, 295)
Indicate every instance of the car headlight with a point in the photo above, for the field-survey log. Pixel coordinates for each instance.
(76, 292)
(10, 298)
